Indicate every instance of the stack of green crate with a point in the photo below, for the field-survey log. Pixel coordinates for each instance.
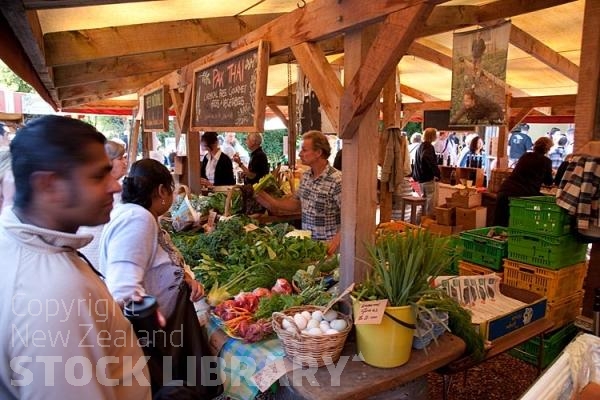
(539, 234)
(540, 243)
(553, 344)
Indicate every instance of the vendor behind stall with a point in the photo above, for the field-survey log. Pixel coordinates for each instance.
(217, 168)
(532, 170)
(258, 166)
(318, 197)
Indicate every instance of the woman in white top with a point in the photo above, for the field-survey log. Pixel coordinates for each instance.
(137, 257)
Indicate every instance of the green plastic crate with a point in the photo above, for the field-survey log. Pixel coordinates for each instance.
(554, 343)
(454, 249)
(477, 247)
(552, 252)
(539, 214)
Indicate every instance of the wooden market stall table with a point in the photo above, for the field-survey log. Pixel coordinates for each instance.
(357, 380)
(499, 346)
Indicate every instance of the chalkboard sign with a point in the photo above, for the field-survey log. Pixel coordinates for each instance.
(230, 94)
(156, 111)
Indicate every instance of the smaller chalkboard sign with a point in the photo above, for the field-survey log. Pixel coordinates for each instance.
(156, 111)
(230, 92)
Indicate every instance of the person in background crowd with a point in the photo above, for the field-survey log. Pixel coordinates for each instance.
(518, 144)
(62, 181)
(415, 142)
(217, 168)
(318, 197)
(118, 158)
(532, 171)
(558, 153)
(7, 181)
(554, 134)
(455, 140)
(258, 166)
(231, 146)
(337, 161)
(153, 265)
(445, 147)
(425, 170)
(475, 150)
(570, 140)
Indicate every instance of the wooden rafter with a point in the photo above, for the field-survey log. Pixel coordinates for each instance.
(90, 44)
(130, 83)
(322, 78)
(545, 54)
(417, 94)
(50, 4)
(384, 55)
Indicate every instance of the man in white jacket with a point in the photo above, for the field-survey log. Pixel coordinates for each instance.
(63, 336)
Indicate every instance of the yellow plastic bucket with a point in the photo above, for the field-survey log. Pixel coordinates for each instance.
(388, 344)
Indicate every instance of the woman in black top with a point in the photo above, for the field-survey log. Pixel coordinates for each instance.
(217, 168)
(532, 170)
(425, 170)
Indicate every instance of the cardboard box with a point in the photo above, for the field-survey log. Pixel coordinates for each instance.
(445, 215)
(466, 198)
(444, 230)
(535, 309)
(471, 218)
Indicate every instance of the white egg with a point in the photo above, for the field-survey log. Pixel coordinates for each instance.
(306, 315)
(312, 324)
(315, 332)
(317, 315)
(331, 332)
(285, 324)
(330, 315)
(291, 329)
(324, 325)
(338, 324)
(300, 321)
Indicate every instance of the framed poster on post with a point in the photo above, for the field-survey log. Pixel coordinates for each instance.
(156, 110)
(230, 92)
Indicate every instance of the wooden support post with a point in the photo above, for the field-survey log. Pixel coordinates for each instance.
(133, 143)
(389, 119)
(193, 161)
(359, 188)
(587, 120)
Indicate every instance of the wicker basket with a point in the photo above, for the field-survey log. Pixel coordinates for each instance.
(309, 350)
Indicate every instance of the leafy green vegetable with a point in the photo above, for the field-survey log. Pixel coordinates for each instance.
(268, 183)
(402, 266)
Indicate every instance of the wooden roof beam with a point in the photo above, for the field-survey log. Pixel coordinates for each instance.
(448, 18)
(113, 85)
(543, 53)
(381, 62)
(50, 4)
(90, 44)
(322, 78)
(70, 103)
(417, 94)
(121, 67)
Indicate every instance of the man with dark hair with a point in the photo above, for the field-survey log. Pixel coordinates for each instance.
(477, 110)
(519, 143)
(64, 336)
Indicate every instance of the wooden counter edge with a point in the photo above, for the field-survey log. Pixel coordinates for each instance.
(360, 380)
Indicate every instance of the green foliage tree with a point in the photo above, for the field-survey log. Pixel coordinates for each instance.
(12, 81)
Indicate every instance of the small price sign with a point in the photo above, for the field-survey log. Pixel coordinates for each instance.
(370, 312)
(271, 373)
